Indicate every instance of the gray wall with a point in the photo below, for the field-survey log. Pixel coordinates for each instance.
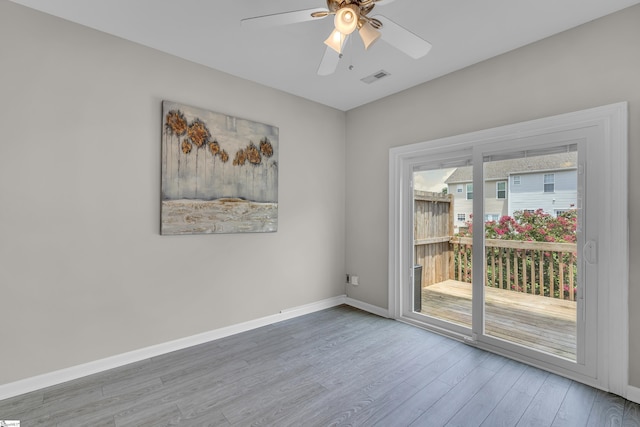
(84, 273)
(592, 65)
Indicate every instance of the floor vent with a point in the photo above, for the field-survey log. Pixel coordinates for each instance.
(376, 76)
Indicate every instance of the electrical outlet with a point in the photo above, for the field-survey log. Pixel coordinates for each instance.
(354, 280)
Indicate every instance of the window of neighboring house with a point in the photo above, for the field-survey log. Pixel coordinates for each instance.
(516, 180)
(491, 217)
(462, 217)
(501, 190)
(560, 211)
(469, 191)
(459, 189)
(529, 211)
(549, 182)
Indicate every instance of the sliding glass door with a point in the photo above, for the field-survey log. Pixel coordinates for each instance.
(514, 240)
(496, 239)
(442, 209)
(531, 263)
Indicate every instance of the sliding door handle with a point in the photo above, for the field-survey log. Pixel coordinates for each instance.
(590, 252)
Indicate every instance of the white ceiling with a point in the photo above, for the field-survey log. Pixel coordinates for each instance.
(208, 32)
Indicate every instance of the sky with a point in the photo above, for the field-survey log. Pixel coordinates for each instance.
(431, 180)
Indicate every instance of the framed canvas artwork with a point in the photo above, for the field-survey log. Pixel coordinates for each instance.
(219, 173)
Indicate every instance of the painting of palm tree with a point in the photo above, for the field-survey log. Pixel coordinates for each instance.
(204, 193)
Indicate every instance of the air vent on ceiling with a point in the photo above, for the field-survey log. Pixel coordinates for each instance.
(376, 76)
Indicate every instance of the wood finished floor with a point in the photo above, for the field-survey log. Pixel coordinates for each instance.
(336, 367)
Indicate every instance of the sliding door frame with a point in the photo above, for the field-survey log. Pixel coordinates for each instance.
(611, 368)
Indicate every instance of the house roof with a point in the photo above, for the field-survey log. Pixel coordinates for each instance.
(501, 169)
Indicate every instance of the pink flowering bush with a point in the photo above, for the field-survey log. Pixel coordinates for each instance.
(537, 226)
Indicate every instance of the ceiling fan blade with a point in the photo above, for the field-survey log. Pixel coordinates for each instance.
(403, 39)
(329, 62)
(372, 2)
(284, 18)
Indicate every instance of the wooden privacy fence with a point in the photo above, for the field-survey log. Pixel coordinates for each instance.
(433, 227)
(537, 268)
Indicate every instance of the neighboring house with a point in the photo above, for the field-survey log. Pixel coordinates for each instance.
(544, 182)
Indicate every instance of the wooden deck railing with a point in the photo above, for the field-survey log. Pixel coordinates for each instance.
(538, 268)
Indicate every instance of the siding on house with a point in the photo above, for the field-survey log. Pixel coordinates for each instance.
(460, 206)
(493, 205)
(529, 194)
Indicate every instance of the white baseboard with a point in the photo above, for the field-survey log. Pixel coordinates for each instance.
(63, 375)
(290, 313)
(633, 394)
(374, 309)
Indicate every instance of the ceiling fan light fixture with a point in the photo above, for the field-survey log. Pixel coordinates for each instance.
(368, 34)
(349, 16)
(346, 20)
(336, 40)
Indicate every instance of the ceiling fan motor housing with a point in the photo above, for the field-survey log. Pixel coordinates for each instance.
(364, 6)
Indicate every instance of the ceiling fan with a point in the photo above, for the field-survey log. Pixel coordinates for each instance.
(350, 15)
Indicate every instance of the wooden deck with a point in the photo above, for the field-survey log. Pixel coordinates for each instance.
(542, 323)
